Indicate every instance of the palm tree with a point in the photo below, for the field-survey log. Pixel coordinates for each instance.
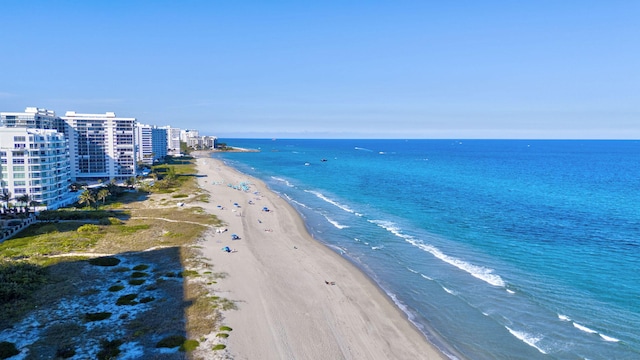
(130, 181)
(25, 198)
(86, 197)
(34, 204)
(5, 196)
(102, 194)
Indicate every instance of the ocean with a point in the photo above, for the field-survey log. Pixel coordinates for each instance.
(495, 249)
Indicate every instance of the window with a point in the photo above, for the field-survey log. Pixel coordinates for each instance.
(19, 138)
(18, 168)
(20, 190)
(18, 175)
(18, 161)
(19, 183)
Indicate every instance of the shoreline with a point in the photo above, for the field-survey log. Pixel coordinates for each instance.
(296, 297)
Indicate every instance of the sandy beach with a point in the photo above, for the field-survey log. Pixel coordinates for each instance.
(296, 298)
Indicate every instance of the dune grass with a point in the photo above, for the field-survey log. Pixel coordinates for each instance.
(131, 223)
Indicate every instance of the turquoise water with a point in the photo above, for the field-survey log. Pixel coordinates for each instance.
(494, 249)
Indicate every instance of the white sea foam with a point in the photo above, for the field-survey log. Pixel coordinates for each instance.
(564, 317)
(289, 198)
(584, 328)
(285, 181)
(449, 291)
(363, 149)
(510, 291)
(609, 338)
(413, 271)
(426, 277)
(528, 339)
(335, 223)
(332, 202)
(377, 247)
(479, 272)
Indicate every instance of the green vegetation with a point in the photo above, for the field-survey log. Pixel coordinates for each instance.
(187, 273)
(112, 222)
(96, 316)
(88, 228)
(219, 347)
(74, 214)
(7, 350)
(225, 328)
(171, 341)
(222, 335)
(110, 349)
(189, 345)
(124, 229)
(147, 299)
(128, 299)
(105, 261)
(65, 352)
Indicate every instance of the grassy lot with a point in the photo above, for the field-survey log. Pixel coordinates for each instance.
(37, 271)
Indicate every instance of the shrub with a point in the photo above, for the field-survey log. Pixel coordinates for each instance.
(96, 316)
(110, 349)
(7, 350)
(189, 345)
(136, 281)
(222, 335)
(190, 273)
(19, 280)
(88, 228)
(65, 352)
(179, 196)
(138, 274)
(128, 299)
(219, 347)
(105, 261)
(141, 267)
(147, 299)
(115, 288)
(171, 341)
(47, 229)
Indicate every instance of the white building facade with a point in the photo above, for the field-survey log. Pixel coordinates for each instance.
(32, 117)
(102, 146)
(151, 143)
(173, 140)
(35, 162)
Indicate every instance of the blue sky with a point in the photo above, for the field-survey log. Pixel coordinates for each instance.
(332, 69)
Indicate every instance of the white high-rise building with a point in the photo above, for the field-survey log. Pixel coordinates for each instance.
(151, 143)
(173, 140)
(32, 117)
(35, 162)
(102, 146)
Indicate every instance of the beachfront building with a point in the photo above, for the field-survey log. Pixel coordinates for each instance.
(192, 138)
(173, 140)
(209, 142)
(35, 162)
(151, 143)
(102, 146)
(32, 118)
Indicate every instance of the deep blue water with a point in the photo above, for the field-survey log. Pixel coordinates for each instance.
(496, 249)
